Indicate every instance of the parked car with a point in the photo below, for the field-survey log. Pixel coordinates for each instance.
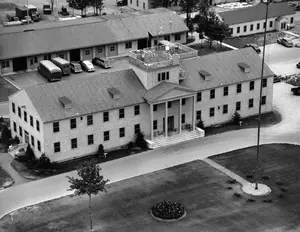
(20, 153)
(87, 66)
(75, 67)
(287, 42)
(47, 9)
(296, 91)
(121, 2)
(101, 62)
(298, 65)
(254, 46)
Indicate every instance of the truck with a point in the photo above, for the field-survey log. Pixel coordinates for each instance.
(47, 9)
(11, 17)
(21, 12)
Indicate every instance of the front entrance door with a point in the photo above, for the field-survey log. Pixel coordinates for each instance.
(19, 64)
(283, 25)
(26, 137)
(170, 123)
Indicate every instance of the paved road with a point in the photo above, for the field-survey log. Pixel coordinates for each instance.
(54, 187)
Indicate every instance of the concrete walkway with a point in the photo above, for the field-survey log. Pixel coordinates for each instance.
(287, 131)
(5, 163)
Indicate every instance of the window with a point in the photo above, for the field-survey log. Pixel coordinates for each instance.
(89, 120)
(130, 1)
(19, 112)
(169, 104)
(159, 77)
(136, 128)
(264, 82)
(251, 27)
(183, 118)
(251, 86)
(238, 30)
(20, 131)
(128, 45)
(155, 125)
(137, 2)
(35, 59)
(56, 127)
(25, 116)
(292, 20)
(225, 91)
(199, 96)
(211, 112)
(105, 116)
(212, 94)
(239, 88)
(100, 49)
(198, 115)
(47, 57)
(122, 132)
(73, 123)
(90, 139)
(13, 106)
(144, 5)
(61, 55)
(263, 100)
(31, 121)
(167, 37)
(225, 109)
(258, 26)
(106, 135)
(39, 145)
(15, 127)
(163, 76)
(74, 143)
(87, 52)
(155, 42)
(136, 110)
(121, 113)
(31, 61)
(238, 106)
(250, 103)
(32, 140)
(245, 28)
(167, 75)
(264, 25)
(5, 64)
(183, 101)
(155, 107)
(177, 37)
(112, 48)
(37, 125)
(271, 24)
(56, 147)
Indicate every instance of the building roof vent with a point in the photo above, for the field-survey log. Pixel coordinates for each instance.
(115, 93)
(245, 67)
(205, 75)
(66, 102)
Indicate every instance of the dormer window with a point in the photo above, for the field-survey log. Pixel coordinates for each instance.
(245, 67)
(163, 76)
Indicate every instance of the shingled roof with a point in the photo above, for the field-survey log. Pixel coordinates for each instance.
(224, 69)
(255, 13)
(80, 33)
(87, 95)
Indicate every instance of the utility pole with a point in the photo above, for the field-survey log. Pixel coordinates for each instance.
(27, 13)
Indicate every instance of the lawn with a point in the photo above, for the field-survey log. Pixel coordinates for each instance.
(204, 48)
(4, 177)
(201, 189)
(267, 119)
(6, 89)
(240, 42)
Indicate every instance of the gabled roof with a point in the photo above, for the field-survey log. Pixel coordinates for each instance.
(223, 68)
(257, 12)
(80, 33)
(167, 90)
(87, 95)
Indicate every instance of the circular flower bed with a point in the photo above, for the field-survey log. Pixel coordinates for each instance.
(168, 210)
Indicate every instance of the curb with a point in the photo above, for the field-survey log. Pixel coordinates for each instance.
(10, 82)
(7, 186)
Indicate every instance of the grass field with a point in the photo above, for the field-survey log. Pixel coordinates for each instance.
(201, 189)
(4, 177)
(6, 90)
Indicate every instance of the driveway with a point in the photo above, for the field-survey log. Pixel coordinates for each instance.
(287, 131)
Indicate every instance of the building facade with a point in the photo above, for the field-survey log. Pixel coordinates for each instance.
(251, 20)
(24, 49)
(166, 91)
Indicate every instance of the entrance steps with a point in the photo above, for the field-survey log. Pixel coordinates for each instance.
(161, 141)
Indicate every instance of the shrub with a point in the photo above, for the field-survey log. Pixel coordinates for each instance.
(14, 140)
(229, 187)
(200, 124)
(5, 135)
(281, 195)
(31, 160)
(237, 195)
(265, 177)
(130, 145)
(236, 118)
(43, 162)
(1, 120)
(168, 210)
(250, 200)
(267, 201)
(249, 176)
(140, 140)
(233, 181)
(100, 152)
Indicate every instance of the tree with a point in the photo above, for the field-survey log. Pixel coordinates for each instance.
(162, 3)
(89, 183)
(51, 4)
(100, 152)
(188, 6)
(5, 135)
(140, 140)
(82, 5)
(200, 124)
(98, 6)
(236, 118)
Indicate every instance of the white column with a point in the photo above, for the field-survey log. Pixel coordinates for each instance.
(194, 112)
(94, 52)
(151, 121)
(179, 115)
(166, 119)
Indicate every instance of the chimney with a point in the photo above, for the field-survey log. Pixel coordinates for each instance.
(245, 67)
(205, 75)
(114, 92)
(66, 102)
